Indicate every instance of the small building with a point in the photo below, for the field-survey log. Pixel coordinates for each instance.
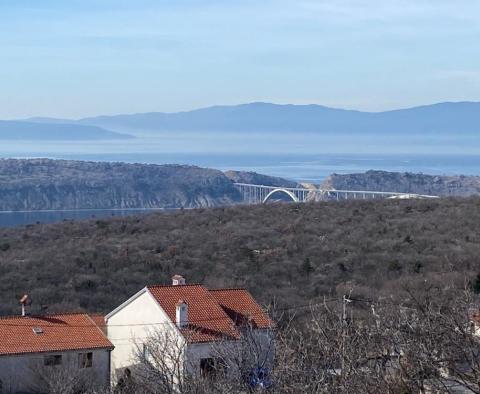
(35, 350)
(199, 323)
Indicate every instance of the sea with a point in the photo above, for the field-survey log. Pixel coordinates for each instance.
(306, 157)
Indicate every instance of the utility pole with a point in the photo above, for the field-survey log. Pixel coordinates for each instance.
(376, 316)
(344, 312)
(344, 331)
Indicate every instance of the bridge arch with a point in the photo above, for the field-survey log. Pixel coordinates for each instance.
(280, 190)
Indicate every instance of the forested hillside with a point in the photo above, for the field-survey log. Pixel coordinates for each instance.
(291, 253)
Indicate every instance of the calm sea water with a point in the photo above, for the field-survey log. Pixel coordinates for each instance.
(12, 219)
(299, 156)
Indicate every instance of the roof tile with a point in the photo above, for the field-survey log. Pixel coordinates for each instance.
(212, 314)
(207, 320)
(59, 333)
(241, 307)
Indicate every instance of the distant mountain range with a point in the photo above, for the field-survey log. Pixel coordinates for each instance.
(443, 117)
(461, 117)
(23, 130)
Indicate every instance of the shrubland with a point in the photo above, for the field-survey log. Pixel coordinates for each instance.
(285, 254)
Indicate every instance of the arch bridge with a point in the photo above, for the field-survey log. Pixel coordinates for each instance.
(260, 194)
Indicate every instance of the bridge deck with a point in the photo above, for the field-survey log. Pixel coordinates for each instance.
(260, 193)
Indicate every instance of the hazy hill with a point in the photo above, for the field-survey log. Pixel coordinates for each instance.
(60, 184)
(405, 182)
(22, 130)
(40, 119)
(444, 117)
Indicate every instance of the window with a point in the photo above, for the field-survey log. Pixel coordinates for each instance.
(38, 330)
(54, 359)
(85, 360)
(146, 352)
(472, 327)
(209, 367)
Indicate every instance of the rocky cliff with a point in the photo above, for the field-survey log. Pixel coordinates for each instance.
(457, 185)
(259, 179)
(40, 184)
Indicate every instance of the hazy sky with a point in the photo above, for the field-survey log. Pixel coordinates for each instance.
(72, 58)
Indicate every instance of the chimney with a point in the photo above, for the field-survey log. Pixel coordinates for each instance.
(178, 280)
(25, 301)
(181, 314)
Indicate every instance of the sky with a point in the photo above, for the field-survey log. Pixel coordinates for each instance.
(76, 58)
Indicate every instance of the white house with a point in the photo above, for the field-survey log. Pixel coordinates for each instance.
(34, 349)
(197, 322)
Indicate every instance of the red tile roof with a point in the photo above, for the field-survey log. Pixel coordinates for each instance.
(206, 320)
(210, 315)
(59, 333)
(241, 307)
(99, 320)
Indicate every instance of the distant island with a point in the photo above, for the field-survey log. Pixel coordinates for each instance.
(44, 184)
(459, 117)
(44, 131)
(406, 182)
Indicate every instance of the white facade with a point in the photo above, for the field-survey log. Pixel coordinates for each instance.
(131, 325)
(21, 373)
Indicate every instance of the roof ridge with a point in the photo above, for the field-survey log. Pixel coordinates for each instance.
(6, 317)
(185, 285)
(230, 289)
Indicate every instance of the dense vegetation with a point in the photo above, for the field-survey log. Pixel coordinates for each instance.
(292, 253)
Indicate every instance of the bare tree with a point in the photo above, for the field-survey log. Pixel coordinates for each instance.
(165, 364)
(160, 363)
(63, 379)
(423, 341)
(246, 364)
(390, 348)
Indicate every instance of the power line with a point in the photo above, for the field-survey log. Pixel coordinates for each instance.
(259, 313)
(222, 335)
(196, 321)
